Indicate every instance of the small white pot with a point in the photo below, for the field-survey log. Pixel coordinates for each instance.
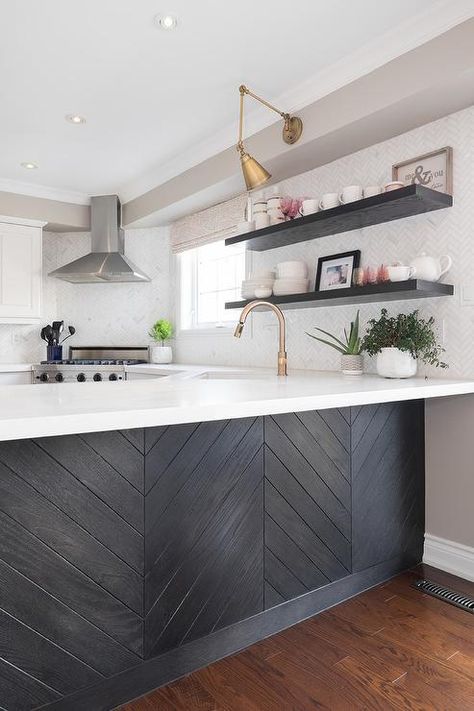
(161, 354)
(352, 364)
(394, 363)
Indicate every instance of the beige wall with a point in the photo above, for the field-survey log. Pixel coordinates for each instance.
(450, 469)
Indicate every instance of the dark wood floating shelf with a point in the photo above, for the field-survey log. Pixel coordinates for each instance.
(391, 291)
(411, 200)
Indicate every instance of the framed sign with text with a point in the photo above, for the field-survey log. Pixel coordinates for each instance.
(434, 170)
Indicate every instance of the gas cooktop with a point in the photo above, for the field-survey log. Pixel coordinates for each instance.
(95, 361)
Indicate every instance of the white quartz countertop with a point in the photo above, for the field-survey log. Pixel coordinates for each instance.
(195, 394)
(15, 367)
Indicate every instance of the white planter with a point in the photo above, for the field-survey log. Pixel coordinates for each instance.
(352, 364)
(394, 363)
(161, 354)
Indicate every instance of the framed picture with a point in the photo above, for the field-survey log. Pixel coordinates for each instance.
(435, 170)
(335, 271)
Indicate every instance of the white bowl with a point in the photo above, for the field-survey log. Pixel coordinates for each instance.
(292, 270)
(290, 286)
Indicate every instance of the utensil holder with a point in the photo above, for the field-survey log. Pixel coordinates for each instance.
(54, 353)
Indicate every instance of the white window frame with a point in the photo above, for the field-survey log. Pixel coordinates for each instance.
(214, 329)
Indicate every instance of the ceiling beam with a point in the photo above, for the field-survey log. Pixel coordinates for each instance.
(420, 86)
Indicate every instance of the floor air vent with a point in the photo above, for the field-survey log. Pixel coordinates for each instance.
(442, 593)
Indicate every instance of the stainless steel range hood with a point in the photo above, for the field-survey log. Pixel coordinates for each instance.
(106, 262)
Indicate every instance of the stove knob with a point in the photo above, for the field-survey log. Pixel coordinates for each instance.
(81, 378)
(113, 376)
(97, 377)
(44, 377)
(59, 377)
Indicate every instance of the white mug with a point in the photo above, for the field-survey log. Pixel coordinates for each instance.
(275, 212)
(308, 207)
(400, 273)
(372, 190)
(261, 220)
(329, 200)
(274, 203)
(350, 193)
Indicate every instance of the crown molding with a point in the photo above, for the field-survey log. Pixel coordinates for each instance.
(43, 191)
(423, 27)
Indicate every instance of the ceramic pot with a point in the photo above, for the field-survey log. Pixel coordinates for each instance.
(394, 363)
(430, 268)
(352, 364)
(161, 354)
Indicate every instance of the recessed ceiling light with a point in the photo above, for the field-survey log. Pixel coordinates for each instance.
(29, 166)
(166, 22)
(75, 118)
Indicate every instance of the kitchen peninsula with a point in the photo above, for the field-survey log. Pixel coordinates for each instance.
(175, 520)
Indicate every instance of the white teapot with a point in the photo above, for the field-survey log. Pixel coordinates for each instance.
(430, 268)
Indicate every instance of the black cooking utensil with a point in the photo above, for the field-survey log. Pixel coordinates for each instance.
(48, 335)
(57, 327)
(72, 331)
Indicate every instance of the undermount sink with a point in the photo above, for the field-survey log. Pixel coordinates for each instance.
(235, 375)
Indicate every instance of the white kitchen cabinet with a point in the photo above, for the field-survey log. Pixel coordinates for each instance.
(20, 270)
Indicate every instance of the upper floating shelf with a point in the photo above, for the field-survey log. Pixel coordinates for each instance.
(411, 200)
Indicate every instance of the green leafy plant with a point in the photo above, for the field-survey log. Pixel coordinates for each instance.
(161, 331)
(407, 332)
(351, 344)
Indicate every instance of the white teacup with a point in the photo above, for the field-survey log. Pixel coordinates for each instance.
(400, 273)
(350, 193)
(309, 207)
(261, 220)
(329, 200)
(372, 190)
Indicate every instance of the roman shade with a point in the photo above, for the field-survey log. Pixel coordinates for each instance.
(211, 225)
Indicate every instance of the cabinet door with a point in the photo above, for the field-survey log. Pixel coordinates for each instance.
(20, 273)
(307, 502)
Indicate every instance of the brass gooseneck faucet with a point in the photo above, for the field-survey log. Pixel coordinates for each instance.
(282, 356)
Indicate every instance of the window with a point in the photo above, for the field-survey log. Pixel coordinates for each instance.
(208, 277)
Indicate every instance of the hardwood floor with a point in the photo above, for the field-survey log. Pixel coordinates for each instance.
(391, 647)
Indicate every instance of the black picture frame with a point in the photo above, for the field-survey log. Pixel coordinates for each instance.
(355, 254)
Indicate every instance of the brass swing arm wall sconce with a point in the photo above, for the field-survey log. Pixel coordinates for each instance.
(254, 173)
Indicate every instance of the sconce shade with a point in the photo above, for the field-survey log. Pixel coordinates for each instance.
(254, 173)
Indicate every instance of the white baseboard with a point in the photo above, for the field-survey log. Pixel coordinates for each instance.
(450, 556)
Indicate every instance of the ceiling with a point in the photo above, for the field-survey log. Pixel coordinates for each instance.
(157, 102)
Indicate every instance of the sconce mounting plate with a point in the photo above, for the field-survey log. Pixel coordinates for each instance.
(292, 130)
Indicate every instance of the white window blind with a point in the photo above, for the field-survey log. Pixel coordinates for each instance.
(212, 225)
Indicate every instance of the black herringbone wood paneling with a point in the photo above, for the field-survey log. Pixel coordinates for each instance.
(204, 531)
(71, 564)
(387, 482)
(307, 502)
(122, 545)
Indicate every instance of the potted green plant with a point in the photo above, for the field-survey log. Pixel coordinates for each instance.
(349, 348)
(160, 332)
(399, 342)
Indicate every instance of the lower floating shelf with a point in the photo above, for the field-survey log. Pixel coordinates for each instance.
(390, 291)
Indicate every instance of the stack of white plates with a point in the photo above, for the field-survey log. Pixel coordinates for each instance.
(263, 279)
(292, 278)
(284, 286)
